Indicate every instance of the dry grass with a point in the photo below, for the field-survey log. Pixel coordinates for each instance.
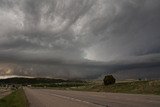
(135, 87)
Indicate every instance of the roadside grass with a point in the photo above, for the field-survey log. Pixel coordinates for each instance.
(15, 99)
(135, 87)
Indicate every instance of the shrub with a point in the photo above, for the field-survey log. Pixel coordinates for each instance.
(109, 79)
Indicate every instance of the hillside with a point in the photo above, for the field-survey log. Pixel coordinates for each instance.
(25, 81)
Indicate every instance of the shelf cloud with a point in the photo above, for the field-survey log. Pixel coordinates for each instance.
(78, 38)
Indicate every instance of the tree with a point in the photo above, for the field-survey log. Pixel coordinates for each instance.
(109, 79)
(139, 79)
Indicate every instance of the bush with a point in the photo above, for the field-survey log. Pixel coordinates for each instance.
(109, 79)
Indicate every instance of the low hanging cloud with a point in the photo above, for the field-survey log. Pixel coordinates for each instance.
(74, 35)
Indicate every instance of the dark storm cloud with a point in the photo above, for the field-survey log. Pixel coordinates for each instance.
(82, 70)
(133, 31)
(65, 33)
(44, 24)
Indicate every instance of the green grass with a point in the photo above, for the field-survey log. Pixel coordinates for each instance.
(15, 99)
(135, 87)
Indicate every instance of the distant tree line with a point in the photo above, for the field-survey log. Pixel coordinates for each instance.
(26, 81)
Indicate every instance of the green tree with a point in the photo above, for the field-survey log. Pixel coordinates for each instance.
(109, 79)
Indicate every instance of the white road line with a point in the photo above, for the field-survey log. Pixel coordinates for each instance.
(78, 100)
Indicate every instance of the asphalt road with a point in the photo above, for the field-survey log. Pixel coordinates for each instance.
(60, 98)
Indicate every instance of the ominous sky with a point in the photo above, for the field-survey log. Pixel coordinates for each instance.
(78, 38)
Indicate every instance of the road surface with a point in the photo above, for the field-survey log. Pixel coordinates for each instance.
(60, 98)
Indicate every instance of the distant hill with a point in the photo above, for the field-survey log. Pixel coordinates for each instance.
(25, 81)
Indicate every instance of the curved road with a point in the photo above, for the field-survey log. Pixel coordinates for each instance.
(60, 98)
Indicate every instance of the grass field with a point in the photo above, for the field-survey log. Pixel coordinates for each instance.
(135, 87)
(15, 99)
